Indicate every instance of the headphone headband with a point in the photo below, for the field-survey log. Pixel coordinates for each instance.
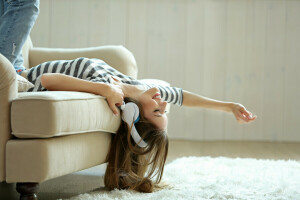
(131, 115)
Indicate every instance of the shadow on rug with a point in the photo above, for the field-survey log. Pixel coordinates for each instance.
(218, 178)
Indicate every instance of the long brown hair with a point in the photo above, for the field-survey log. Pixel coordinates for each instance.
(132, 167)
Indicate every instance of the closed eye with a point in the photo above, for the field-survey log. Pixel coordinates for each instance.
(157, 110)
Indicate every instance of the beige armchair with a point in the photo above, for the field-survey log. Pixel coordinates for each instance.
(44, 135)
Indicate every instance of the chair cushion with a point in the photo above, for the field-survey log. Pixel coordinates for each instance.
(38, 160)
(57, 113)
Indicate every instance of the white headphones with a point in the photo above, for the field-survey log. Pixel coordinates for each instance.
(131, 114)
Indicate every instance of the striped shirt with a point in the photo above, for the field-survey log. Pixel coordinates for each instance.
(95, 70)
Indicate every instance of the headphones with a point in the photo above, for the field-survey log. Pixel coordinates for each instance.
(131, 114)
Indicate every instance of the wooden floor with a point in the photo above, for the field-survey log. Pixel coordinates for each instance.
(90, 179)
(233, 149)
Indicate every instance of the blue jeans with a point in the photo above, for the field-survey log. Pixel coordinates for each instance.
(17, 18)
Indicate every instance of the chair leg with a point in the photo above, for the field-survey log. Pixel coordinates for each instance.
(27, 190)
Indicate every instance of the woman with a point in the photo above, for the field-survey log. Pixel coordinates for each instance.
(139, 149)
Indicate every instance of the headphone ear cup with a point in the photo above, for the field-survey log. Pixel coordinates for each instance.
(130, 111)
(136, 111)
(123, 106)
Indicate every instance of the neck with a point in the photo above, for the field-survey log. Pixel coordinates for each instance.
(131, 91)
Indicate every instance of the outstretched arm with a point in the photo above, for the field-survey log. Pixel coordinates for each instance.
(241, 114)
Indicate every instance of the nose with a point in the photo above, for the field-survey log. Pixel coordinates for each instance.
(156, 89)
(163, 107)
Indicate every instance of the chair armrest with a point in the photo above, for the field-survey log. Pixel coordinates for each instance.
(8, 92)
(117, 56)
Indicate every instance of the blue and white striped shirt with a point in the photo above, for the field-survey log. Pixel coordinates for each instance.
(95, 70)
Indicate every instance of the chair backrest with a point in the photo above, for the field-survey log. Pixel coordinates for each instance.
(25, 52)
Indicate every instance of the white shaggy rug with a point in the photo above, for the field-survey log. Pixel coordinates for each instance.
(219, 178)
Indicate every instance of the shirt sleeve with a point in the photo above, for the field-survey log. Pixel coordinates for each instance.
(98, 79)
(169, 94)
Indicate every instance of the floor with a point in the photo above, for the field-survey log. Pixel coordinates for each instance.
(91, 179)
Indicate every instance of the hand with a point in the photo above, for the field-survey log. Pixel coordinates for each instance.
(114, 96)
(241, 114)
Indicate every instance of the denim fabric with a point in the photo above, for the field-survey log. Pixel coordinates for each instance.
(17, 18)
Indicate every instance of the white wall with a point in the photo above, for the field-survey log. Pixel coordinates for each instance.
(245, 51)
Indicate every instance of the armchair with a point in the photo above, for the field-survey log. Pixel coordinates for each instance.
(44, 135)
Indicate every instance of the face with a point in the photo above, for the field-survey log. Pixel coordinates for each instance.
(154, 108)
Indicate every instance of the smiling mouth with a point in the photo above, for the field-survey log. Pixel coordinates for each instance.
(156, 96)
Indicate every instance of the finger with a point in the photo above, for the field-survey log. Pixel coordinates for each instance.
(115, 78)
(112, 81)
(253, 118)
(238, 118)
(253, 115)
(243, 117)
(119, 102)
(114, 108)
(246, 113)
